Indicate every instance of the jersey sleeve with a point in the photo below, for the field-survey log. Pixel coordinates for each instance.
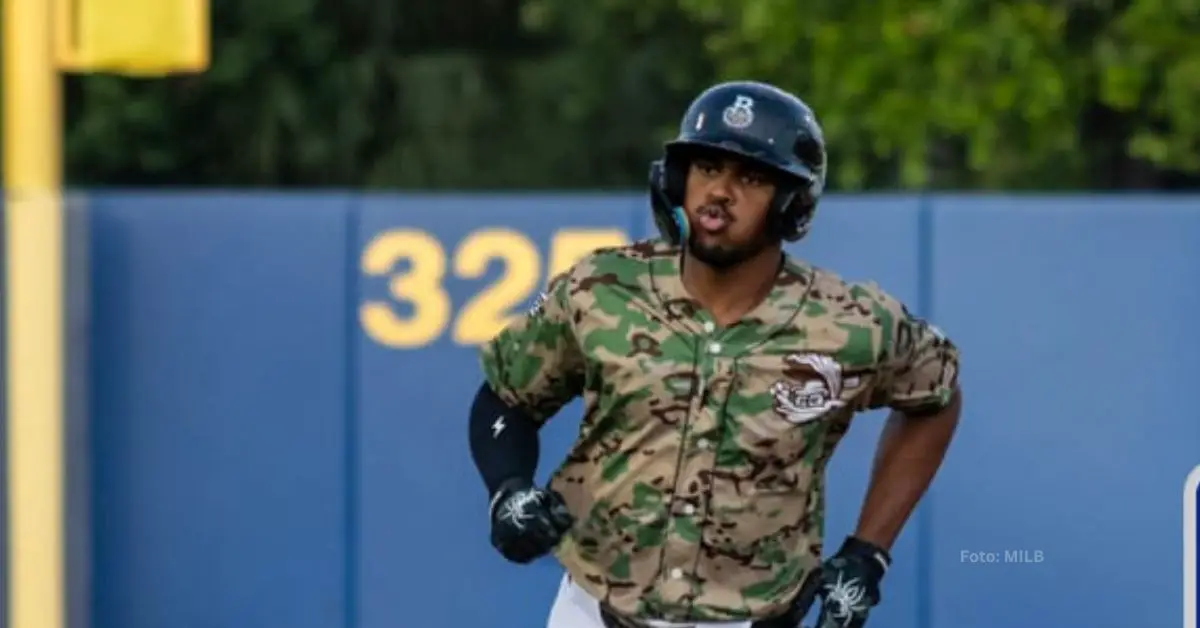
(919, 365)
(535, 364)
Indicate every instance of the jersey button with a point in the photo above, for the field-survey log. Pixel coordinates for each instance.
(714, 348)
(709, 327)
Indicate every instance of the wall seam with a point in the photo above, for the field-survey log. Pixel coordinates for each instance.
(925, 513)
(350, 414)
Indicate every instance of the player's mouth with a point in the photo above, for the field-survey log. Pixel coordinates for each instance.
(713, 218)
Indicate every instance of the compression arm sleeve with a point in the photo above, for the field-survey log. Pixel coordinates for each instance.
(504, 441)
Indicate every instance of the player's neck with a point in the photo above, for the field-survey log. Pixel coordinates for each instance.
(729, 294)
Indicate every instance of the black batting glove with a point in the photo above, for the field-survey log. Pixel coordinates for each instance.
(527, 521)
(849, 585)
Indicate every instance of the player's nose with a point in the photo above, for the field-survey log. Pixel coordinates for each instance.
(721, 191)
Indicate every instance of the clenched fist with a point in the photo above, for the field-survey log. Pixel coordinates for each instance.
(849, 584)
(527, 521)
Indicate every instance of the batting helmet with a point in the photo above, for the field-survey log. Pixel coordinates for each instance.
(755, 121)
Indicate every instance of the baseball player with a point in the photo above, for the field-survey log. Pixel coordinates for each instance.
(718, 374)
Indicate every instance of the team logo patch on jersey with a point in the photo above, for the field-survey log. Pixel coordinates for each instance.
(1191, 549)
(812, 389)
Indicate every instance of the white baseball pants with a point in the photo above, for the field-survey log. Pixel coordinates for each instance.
(575, 608)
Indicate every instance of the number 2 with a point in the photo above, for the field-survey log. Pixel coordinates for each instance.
(490, 311)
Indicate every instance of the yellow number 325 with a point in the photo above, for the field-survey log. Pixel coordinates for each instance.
(485, 314)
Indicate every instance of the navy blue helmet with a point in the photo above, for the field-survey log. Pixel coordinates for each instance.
(754, 121)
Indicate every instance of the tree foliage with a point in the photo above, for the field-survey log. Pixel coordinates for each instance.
(316, 93)
(970, 93)
(518, 94)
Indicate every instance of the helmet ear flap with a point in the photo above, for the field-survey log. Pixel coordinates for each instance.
(792, 209)
(793, 214)
(663, 203)
(668, 184)
(674, 178)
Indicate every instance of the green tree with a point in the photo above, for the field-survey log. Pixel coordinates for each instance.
(520, 94)
(454, 94)
(978, 94)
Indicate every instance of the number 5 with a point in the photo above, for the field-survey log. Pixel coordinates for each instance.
(571, 245)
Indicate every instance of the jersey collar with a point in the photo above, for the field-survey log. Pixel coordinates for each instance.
(786, 299)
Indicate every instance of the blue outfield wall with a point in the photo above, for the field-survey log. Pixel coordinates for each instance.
(279, 386)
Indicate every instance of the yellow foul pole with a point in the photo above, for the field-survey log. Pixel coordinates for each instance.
(33, 257)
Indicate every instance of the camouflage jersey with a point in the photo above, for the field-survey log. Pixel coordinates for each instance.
(697, 477)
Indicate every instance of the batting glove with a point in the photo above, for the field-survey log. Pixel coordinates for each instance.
(850, 584)
(527, 521)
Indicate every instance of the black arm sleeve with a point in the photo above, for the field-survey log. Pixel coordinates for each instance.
(504, 441)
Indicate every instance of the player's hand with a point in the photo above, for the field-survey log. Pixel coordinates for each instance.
(527, 521)
(850, 584)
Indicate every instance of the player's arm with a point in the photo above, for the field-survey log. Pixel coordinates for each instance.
(919, 382)
(531, 370)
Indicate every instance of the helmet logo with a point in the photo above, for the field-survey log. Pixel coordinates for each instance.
(740, 114)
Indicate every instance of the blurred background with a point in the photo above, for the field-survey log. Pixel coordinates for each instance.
(550, 94)
(251, 248)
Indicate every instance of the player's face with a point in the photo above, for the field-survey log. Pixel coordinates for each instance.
(727, 205)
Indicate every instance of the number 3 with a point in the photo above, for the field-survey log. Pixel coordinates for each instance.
(421, 286)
